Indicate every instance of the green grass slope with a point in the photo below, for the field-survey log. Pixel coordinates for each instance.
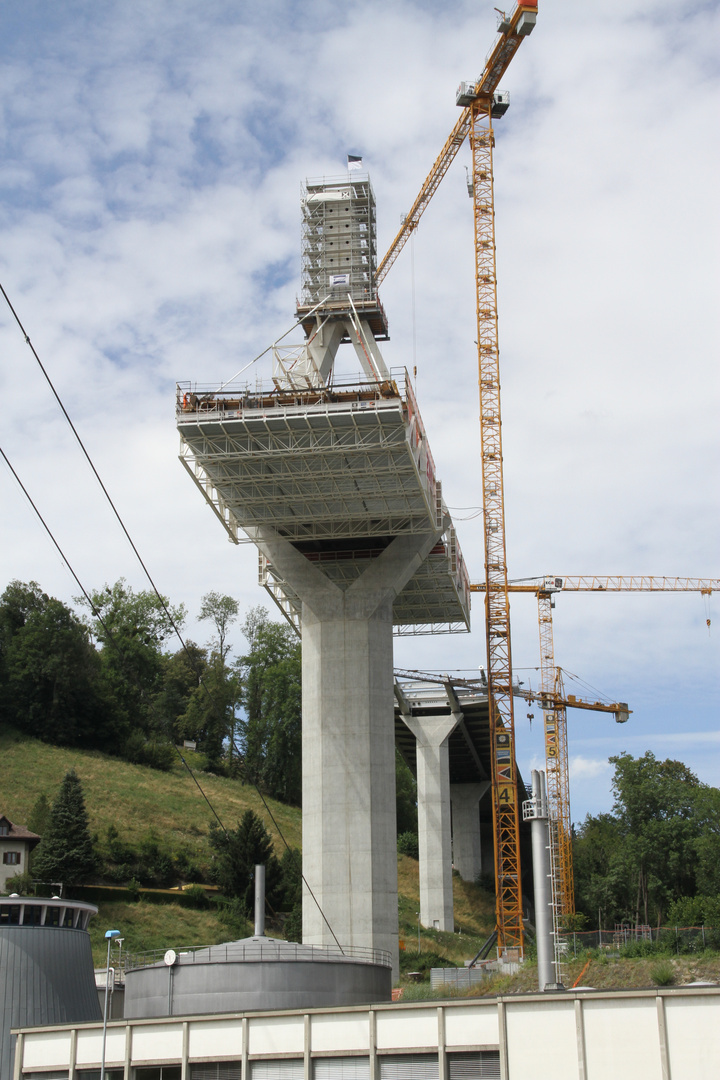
(134, 798)
(138, 800)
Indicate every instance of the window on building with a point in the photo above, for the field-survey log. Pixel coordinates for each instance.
(11, 858)
(409, 1067)
(341, 1068)
(479, 1065)
(287, 1069)
(32, 915)
(94, 1074)
(10, 916)
(159, 1072)
(216, 1070)
(4, 829)
(53, 1075)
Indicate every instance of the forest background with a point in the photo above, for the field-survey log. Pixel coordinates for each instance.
(103, 678)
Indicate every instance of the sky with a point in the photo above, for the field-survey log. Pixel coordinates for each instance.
(150, 173)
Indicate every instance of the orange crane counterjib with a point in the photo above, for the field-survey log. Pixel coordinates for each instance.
(495, 67)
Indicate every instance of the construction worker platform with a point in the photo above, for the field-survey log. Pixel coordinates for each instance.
(339, 471)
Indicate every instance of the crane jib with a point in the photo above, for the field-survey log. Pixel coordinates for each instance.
(517, 27)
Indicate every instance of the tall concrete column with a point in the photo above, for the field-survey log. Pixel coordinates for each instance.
(349, 829)
(466, 844)
(434, 833)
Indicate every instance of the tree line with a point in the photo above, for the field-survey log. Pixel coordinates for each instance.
(103, 677)
(655, 859)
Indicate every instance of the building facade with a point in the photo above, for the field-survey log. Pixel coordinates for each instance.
(589, 1035)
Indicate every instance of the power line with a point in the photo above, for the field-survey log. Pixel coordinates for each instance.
(96, 474)
(155, 589)
(98, 616)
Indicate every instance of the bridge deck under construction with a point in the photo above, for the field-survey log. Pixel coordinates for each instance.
(337, 470)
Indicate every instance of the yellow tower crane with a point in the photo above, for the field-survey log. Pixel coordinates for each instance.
(554, 704)
(481, 103)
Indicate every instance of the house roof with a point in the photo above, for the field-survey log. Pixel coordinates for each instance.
(18, 832)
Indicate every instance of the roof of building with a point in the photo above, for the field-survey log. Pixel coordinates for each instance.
(17, 832)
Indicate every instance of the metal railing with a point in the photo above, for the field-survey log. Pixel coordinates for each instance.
(194, 397)
(239, 952)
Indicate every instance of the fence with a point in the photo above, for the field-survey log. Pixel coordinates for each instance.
(679, 939)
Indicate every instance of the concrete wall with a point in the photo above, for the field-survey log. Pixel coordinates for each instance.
(632, 1035)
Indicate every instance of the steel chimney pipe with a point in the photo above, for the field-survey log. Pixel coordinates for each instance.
(259, 901)
(541, 878)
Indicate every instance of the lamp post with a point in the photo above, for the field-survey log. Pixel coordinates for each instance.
(110, 935)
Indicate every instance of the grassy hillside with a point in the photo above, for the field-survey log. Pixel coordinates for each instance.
(145, 927)
(134, 798)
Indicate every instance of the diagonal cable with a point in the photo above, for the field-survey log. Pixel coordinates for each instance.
(147, 574)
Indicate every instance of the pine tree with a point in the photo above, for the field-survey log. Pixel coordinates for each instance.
(66, 852)
(39, 823)
(238, 851)
(39, 820)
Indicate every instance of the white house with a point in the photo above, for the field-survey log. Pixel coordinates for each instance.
(16, 843)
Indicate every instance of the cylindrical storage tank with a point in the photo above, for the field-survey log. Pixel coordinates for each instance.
(255, 973)
(46, 967)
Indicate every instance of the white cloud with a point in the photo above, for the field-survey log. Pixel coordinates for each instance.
(582, 768)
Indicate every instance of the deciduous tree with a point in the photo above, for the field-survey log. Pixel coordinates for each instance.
(663, 834)
(272, 699)
(222, 611)
(131, 628)
(51, 674)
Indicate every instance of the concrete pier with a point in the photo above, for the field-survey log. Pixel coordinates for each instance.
(349, 845)
(332, 477)
(434, 831)
(466, 839)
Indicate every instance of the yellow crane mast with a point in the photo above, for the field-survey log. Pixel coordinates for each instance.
(480, 103)
(554, 703)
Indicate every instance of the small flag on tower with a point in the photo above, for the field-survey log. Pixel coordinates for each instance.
(354, 162)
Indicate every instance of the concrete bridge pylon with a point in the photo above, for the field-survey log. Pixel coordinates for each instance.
(349, 832)
(331, 476)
